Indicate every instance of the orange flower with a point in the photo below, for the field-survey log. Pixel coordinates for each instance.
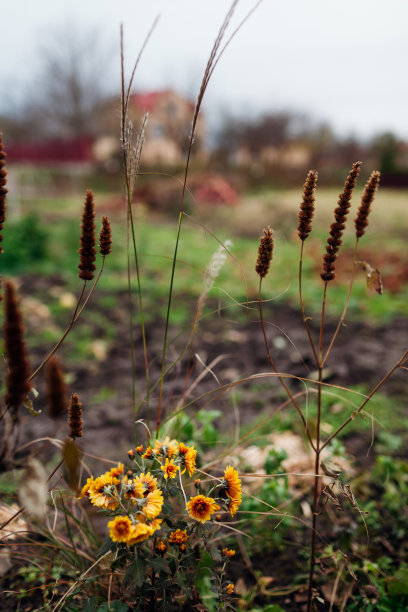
(228, 552)
(188, 458)
(178, 536)
(148, 454)
(229, 588)
(118, 470)
(170, 470)
(120, 528)
(167, 448)
(232, 487)
(85, 488)
(139, 449)
(103, 491)
(141, 531)
(134, 489)
(152, 504)
(148, 482)
(160, 546)
(201, 507)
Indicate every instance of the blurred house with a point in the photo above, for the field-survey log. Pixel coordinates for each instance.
(167, 129)
(290, 155)
(51, 151)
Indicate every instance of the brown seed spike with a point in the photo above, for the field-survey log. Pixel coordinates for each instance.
(56, 390)
(337, 228)
(361, 221)
(306, 212)
(105, 239)
(265, 252)
(17, 383)
(3, 190)
(87, 250)
(75, 417)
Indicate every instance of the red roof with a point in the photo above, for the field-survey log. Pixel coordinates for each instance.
(56, 150)
(148, 101)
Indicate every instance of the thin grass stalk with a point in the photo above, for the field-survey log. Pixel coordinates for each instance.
(61, 340)
(343, 314)
(207, 75)
(367, 399)
(131, 163)
(69, 531)
(302, 307)
(317, 450)
(273, 365)
(77, 313)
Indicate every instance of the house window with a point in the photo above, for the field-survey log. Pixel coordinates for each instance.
(157, 130)
(171, 109)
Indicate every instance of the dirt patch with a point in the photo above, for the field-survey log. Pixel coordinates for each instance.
(231, 349)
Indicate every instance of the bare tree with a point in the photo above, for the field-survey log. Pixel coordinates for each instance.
(72, 82)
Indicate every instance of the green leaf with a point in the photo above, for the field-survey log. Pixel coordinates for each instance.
(398, 584)
(115, 606)
(91, 604)
(210, 434)
(106, 545)
(159, 565)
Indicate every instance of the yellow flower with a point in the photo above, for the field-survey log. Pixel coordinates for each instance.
(148, 454)
(85, 488)
(233, 505)
(232, 487)
(152, 504)
(117, 471)
(141, 531)
(188, 454)
(229, 588)
(139, 449)
(103, 491)
(178, 536)
(148, 482)
(135, 489)
(167, 448)
(170, 470)
(228, 552)
(201, 507)
(120, 528)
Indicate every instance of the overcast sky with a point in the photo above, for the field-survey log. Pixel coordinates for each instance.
(344, 62)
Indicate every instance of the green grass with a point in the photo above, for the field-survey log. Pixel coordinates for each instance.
(50, 247)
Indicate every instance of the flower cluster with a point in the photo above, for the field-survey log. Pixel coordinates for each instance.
(136, 496)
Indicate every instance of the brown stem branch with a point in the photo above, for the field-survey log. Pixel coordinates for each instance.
(343, 314)
(316, 487)
(367, 399)
(273, 365)
(74, 319)
(302, 308)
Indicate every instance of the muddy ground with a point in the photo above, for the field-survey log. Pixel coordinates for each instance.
(361, 355)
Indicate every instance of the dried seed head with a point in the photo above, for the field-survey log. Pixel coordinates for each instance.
(56, 390)
(71, 455)
(17, 383)
(87, 250)
(265, 252)
(337, 228)
(305, 215)
(361, 221)
(75, 417)
(105, 239)
(3, 190)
